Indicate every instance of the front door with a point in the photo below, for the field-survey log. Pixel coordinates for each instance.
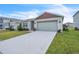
(32, 25)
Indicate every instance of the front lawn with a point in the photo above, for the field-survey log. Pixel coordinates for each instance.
(9, 34)
(65, 43)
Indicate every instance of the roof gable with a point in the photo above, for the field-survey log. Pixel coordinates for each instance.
(76, 13)
(7, 18)
(47, 15)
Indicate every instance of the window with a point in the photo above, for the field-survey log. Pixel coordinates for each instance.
(25, 24)
(6, 24)
(0, 26)
(11, 20)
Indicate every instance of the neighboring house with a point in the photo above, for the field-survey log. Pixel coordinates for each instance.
(49, 22)
(76, 20)
(69, 24)
(9, 22)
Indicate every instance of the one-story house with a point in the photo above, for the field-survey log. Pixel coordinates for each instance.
(76, 20)
(47, 22)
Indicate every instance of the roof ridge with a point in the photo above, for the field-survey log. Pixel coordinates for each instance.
(48, 15)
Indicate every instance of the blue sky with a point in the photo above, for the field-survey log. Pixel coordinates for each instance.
(25, 11)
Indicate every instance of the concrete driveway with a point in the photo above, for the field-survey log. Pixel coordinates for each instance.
(33, 43)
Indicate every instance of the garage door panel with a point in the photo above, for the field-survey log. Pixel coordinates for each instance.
(47, 26)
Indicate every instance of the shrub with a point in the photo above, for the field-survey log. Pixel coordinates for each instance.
(10, 28)
(25, 29)
(65, 28)
(76, 28)
(59, 31)
(7, 29)
(20, 28)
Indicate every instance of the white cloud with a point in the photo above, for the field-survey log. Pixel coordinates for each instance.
(29, 14)
(22, 15)
(62, 10)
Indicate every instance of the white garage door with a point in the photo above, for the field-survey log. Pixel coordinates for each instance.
(47, 26)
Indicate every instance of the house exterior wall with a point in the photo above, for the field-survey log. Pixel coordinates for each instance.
(29, 25)
(76, 20)
(58, 19)
(60, 24)
(6, 23)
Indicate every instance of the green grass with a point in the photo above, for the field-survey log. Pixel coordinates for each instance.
(9, 34)
(65, 43)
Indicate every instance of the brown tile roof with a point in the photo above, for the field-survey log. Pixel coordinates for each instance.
(48, 15)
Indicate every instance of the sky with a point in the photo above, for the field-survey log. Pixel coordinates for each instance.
(26, 11)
